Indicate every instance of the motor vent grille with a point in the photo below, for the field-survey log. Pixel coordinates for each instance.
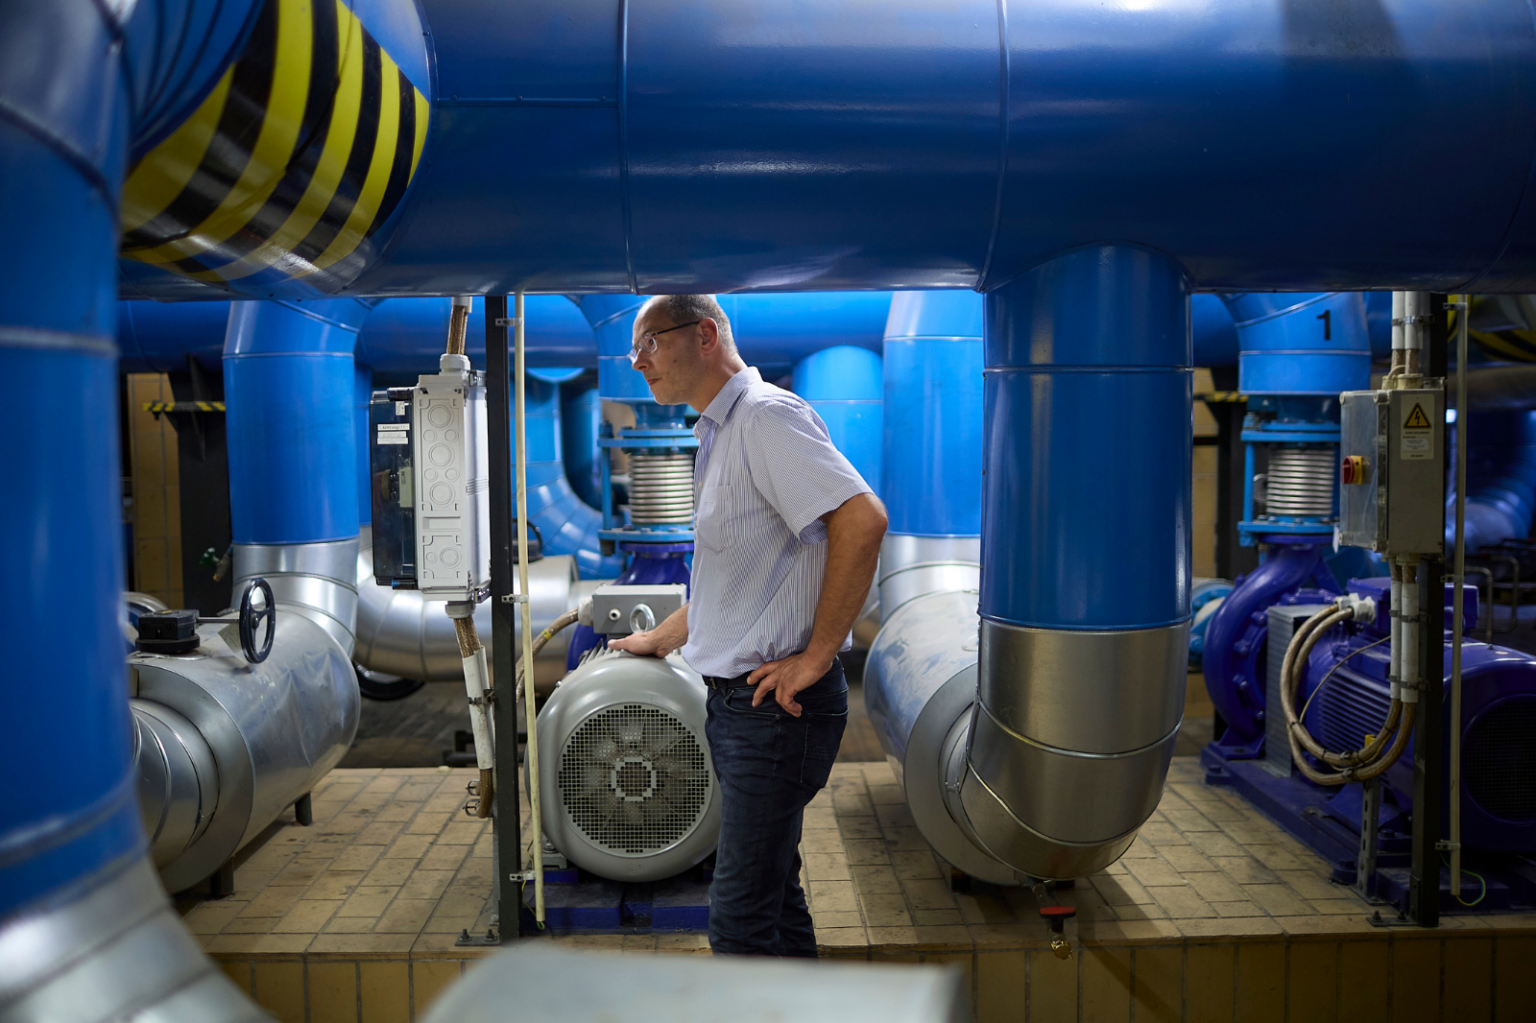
(634, 779)
(1498, 760)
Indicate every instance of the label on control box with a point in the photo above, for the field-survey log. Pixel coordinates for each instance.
(1417, 443)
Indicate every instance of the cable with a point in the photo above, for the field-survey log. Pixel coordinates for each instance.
(567, 619)
(1480, 880)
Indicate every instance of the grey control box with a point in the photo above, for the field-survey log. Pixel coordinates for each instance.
(1392, 471)
(620, 610)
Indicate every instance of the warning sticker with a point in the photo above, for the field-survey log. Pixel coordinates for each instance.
(394, 433)
(1417, 442)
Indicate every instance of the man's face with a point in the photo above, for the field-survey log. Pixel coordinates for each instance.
(673, 368)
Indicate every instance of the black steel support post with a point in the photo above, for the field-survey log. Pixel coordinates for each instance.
(508, 816)
(1428, 754)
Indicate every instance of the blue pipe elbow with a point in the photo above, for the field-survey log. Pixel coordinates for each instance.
(1301, 344)
(845, 386)
(581, 413)
(1214, 333)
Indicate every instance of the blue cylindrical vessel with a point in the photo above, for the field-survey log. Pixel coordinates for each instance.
(844, 385)
(1088, 445)
(1301, 344)
(290, 392)
(775, 332)
(931, 465)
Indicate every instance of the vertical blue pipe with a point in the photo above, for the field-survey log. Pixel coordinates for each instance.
(362, 396)
(931, 475)
(580, 415)
(62, 143)
(1086, 507)
(290, 393)
(566, 524)
(844, 385)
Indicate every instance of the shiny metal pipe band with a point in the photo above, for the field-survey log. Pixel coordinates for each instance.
(317, 580)
(914, 566)
(1090, 691)
(1064, 794)
(1007, 838)
(113, 949)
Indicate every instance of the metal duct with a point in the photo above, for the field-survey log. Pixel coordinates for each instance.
(630, 792)
(1080, 685)
(400, 632)
(225, 746)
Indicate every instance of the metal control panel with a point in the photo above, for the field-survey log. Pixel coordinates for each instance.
(621, 610)
(391, 476)
(452, 482)
(1392, 471)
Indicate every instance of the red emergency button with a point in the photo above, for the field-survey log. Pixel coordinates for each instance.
(1352, 469)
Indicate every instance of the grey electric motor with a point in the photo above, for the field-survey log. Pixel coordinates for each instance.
(627, 786)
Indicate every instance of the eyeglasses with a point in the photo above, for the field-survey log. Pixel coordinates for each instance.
(647, 343)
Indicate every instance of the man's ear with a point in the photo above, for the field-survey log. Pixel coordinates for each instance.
(709, 334)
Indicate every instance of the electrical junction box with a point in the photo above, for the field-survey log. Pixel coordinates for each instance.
(1392, 485)
(451, 482)
(621, 610)
(391, 485)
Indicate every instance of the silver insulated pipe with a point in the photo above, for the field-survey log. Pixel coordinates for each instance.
(224, 746)
(402, 633)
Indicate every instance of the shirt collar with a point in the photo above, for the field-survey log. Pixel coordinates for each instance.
(719, 409)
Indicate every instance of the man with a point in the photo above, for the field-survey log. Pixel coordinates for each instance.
(787, 536)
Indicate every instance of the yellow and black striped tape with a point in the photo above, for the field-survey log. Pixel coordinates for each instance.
(1221, 397)
(183, 406)
(1506, 345)
(301, 151)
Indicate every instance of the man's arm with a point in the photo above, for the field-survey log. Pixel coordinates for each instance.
(854, 532)
(670, 635)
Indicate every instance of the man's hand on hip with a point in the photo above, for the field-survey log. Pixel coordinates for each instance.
(788, 676)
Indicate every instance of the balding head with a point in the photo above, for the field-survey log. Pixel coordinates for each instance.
(695, 352)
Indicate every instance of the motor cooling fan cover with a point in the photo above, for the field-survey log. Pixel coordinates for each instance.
(627, 786)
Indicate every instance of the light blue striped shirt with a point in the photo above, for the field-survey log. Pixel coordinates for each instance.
(765, 473)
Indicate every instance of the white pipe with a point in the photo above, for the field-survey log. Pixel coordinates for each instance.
(475, 675)
(1462, 315)
(527, 622)
(1399, 315)
(1395, 672)
(1410, 633)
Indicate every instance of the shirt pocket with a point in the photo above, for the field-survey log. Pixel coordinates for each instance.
(713, 520)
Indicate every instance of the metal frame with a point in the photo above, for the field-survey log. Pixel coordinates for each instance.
(498, 401)
(1428, 754)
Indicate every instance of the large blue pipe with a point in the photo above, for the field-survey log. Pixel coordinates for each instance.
(567, 524)
(844, 384)
(1087, 474)
(931, 473)
(406, 335)
(1501, 479)
(712, 146)
(289, 388)
(581, 412)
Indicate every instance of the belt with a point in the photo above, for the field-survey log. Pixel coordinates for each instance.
(722, 684)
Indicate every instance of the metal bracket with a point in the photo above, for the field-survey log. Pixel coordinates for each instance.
(514, 598)
(505, 321)
(521, 876)
(1446, 845)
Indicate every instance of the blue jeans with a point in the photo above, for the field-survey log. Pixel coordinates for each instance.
(770, 764)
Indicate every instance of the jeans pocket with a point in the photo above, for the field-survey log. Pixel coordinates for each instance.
(739, 701)
(823, 736)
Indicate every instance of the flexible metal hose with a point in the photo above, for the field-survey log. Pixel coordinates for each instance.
(1356, 765)
(569, 618)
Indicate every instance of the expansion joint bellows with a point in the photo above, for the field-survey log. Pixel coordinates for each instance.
(661, 488)
(1301, 482)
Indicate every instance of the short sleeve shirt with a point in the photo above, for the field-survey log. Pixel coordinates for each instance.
(767, 472)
